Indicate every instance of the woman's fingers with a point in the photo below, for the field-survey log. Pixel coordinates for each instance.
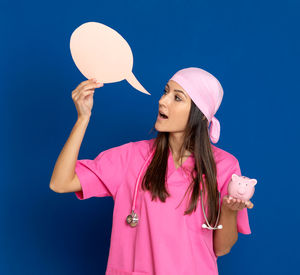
(81, 86)
(85, 93)
(238, 204)
(89, 85)
(83, 83)
(92, 86)
(83, 96)
(250, 205)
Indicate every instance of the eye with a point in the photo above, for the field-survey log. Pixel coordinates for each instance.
(176, 97)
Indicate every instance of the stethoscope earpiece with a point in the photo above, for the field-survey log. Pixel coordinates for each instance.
(220, 226)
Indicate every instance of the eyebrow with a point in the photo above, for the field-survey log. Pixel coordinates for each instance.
(177, 90)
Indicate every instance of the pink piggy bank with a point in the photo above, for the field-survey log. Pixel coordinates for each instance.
(241, 187)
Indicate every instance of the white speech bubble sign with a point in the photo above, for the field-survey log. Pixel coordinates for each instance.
(102, 53)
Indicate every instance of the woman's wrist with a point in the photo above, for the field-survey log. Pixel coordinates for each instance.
(83, 119)
(227, 210)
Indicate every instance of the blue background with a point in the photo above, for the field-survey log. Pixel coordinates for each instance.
(252, 47)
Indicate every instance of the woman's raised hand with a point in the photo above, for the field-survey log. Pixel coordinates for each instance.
(83, 97)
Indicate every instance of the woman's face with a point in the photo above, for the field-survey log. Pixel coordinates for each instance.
(176, 104)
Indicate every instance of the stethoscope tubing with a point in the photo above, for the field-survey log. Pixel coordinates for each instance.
(138, 181)
(207, 225)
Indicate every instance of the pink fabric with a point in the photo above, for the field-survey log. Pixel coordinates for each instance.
(205, 91)
(165, 241)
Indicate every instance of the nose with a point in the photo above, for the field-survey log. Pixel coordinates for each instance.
(242, 191)
(162, 104)
(163, 100)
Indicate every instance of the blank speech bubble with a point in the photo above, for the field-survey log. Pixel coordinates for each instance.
(102, 53)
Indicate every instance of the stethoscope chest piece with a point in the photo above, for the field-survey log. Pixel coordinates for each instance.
(132, 219)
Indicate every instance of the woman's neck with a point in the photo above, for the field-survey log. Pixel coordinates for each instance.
(175, 143)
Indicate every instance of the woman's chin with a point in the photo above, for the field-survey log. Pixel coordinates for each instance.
(157, 126)
(160, 127)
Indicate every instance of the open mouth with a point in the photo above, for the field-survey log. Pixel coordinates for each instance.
(163, 116)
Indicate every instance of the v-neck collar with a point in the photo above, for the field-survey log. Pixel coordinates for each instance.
(171, 164)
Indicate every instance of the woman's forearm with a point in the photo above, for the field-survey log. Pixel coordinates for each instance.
(226, 237)
(64, 169)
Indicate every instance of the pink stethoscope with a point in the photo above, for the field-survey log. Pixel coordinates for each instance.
(132, 219)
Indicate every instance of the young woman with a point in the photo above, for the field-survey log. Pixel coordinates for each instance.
(159, 224)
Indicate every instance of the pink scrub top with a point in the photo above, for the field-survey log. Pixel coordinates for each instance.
(165, 241)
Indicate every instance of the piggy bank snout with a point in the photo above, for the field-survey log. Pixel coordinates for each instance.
(240, 190)
(243, 189)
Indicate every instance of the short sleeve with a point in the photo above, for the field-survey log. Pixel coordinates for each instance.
(102, 176)
(242, 216)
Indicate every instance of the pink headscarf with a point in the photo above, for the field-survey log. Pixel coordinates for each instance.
(205, 91)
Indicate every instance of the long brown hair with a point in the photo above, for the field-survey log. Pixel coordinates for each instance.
(196, 140)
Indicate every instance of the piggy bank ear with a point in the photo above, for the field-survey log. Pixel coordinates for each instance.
(253, 181)
(234, 177)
